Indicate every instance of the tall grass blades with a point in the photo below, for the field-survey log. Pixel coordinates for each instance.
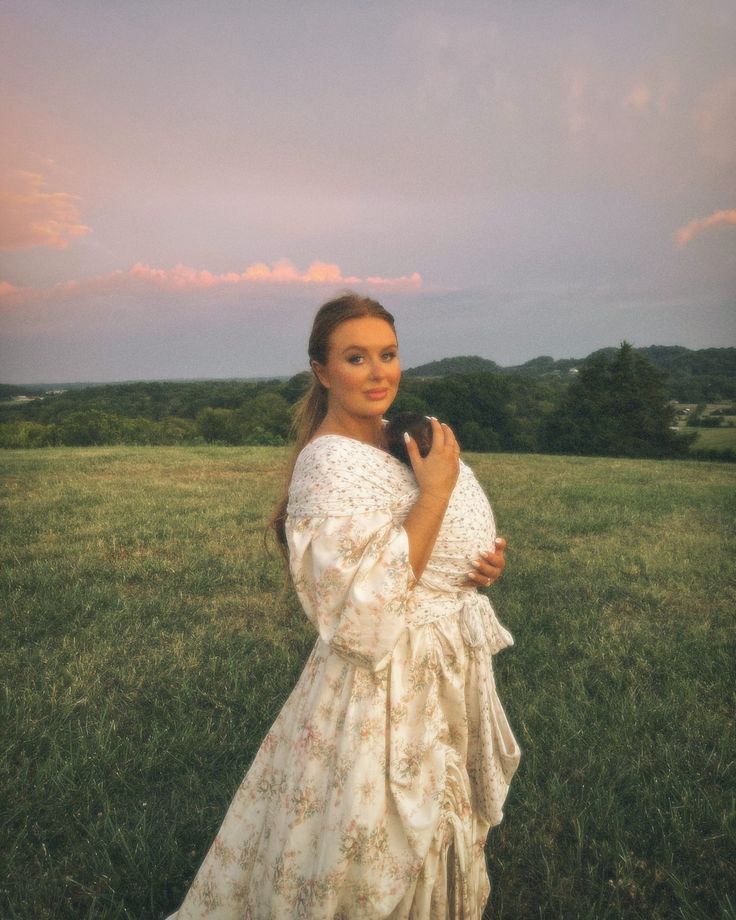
(149, 641)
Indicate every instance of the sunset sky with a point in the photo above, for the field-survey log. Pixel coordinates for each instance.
(182, 184)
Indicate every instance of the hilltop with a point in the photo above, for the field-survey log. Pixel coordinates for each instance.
(675, 359)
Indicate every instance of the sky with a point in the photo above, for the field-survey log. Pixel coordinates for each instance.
(182, 184)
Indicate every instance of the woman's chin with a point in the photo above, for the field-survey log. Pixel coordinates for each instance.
(377, 406)
(376, 411)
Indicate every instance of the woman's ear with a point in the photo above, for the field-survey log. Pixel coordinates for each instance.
(319, 373)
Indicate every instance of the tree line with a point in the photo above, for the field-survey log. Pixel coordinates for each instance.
(617, 404)
(705, 375)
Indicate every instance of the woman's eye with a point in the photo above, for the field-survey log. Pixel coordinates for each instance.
(386, 356)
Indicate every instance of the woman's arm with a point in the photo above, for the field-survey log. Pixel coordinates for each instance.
(436, 475)
(436, 481)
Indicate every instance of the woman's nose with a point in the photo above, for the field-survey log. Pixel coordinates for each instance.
(376, 369)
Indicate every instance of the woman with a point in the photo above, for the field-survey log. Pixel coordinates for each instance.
(374, 790)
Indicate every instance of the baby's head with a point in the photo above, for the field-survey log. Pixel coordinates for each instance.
(418, 426)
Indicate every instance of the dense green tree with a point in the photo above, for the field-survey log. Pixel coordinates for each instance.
(616, 407)
(268, 413)
(474, 437)
(87, 427)
(219, 426)
(28, 434)
(480, 398)
(409, 399)
(173, 430)
(296, 386)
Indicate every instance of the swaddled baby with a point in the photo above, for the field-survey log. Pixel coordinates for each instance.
(468, 525)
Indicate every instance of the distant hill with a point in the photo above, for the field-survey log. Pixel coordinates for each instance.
(675, 359)
(464, 364)
(544, 366)
(679, 360)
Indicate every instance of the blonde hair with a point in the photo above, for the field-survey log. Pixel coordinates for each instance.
(311, 409)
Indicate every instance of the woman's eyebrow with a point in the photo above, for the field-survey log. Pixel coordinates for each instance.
(363, 348)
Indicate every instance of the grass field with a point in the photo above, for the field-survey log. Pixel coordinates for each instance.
(714, 438)
(710, 438)
(149, 641)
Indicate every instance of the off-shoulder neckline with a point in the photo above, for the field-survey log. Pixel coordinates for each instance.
(346, 437)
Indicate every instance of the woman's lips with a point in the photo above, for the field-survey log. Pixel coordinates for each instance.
(376, 394)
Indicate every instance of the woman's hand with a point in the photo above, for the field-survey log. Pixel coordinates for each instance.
(489, 567)
(437, 473)
(436, 476)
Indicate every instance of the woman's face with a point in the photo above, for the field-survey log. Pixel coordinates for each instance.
(362, 371)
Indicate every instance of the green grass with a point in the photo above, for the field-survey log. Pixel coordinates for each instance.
(714, 438)
(149, 642)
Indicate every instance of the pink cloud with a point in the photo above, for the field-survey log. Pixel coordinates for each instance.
(688, 232)
(182, 278)
(281, 272)
(640, 98)
(34, 218)
(404, 283)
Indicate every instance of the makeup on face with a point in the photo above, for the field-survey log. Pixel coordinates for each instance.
(362, 371)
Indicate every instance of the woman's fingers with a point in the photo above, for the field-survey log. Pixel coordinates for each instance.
(484, 575)
(450, 439)
(485, 570)
(412, 450)
(443, 436)
(438, 433)
(437, 472)
(490, 564)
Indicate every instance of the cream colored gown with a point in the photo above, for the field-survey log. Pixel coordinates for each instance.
(374, 790)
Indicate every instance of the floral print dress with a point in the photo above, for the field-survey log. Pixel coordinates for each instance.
(374, 790)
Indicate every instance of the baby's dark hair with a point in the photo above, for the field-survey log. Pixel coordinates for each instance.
(418, 426)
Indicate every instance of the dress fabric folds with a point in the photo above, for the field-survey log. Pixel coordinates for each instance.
(373, 792)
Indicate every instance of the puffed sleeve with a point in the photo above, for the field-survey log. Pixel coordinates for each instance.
(353, 578)
(350, 565)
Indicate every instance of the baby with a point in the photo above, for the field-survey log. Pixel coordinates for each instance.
(418, 426)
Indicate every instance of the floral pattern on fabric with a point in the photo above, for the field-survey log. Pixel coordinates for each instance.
(373, 792)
